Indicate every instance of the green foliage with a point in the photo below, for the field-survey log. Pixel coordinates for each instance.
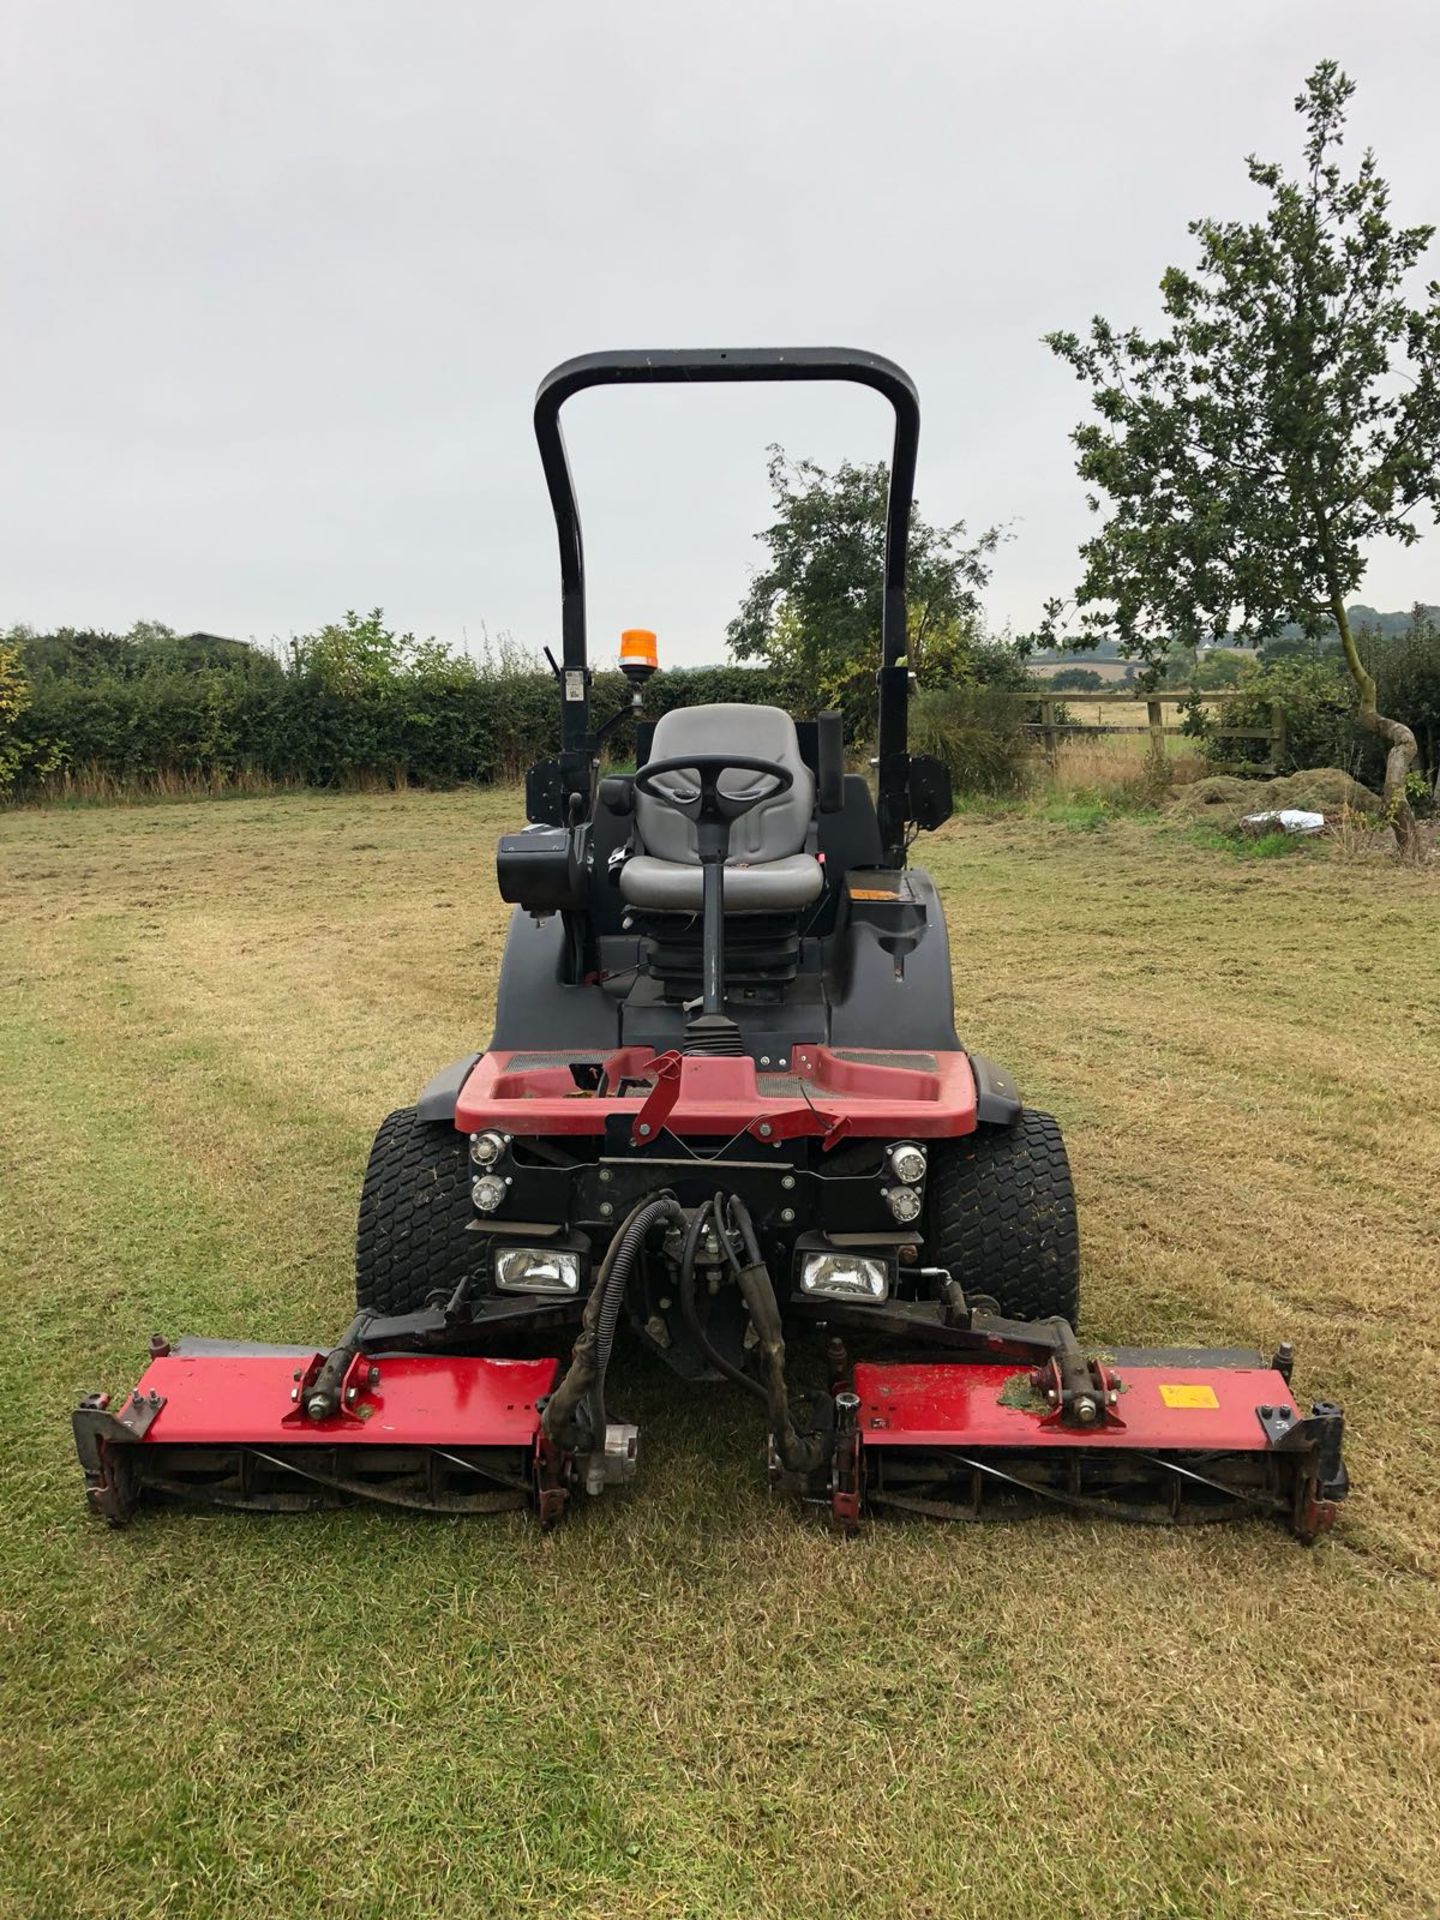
(1318, 701)
(1288, 415)
(1076, 679)
(1406, 665)
(814, 611)
(77, 653)
(1321, 707)
(14, 699)
(977, 732)
(353, 704)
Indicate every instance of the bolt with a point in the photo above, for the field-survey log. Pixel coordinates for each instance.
(787, 1214)
(606, 1176)
(1113, 1396)
(606, 1209)
(643, 1129)
(782, 1063)
(764, 1059)
(1266, 1413)
(317, 1407)
(664, 1303)
(788, 1183)
(1051, 1395)
(295, 1376)
(294, 1393)
(352, 1394)
(373, 1376)
(137, 1398)
(1086, 1410)
(764, 1129)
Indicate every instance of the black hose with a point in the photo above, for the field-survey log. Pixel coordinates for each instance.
(632, 1238)
(691, 1311)
(585, 1376)
(805, 1454)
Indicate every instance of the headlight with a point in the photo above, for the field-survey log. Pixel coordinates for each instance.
(844, 1276)
(537, 1270)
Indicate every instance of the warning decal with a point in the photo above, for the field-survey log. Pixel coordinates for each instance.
(1176, 1395)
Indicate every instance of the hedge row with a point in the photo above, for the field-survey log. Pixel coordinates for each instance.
(422, 729)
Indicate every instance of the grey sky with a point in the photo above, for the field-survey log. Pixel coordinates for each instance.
(280, 278)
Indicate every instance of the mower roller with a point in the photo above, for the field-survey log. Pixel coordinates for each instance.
(724, 1103)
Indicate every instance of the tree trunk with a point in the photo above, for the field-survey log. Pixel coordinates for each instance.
(1401, 748)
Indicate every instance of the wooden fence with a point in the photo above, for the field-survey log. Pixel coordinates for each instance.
(1049, 729)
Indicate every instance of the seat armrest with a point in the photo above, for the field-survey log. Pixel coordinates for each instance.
(617, 793)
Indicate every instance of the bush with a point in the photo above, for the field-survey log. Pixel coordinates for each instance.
(1406, 667)
(14, 700)
(1318, 701)
(977, 731)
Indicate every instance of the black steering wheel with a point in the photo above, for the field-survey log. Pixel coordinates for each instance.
(710, 804)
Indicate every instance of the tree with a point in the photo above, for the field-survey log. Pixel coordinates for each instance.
(1076, 680)
(1288, 414)
(815, 609)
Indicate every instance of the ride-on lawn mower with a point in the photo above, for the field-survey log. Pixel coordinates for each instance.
(725, 1102)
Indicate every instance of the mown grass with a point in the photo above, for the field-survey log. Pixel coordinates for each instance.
(686, 1701)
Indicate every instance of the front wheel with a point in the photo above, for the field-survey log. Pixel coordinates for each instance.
(412, 1239)
(1002, 1217)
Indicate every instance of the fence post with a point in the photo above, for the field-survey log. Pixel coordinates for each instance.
(1052, 737)
(1279, 737)
(1157, 731)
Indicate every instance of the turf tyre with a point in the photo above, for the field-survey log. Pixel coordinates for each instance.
(411, 1240)
(1002, 1217)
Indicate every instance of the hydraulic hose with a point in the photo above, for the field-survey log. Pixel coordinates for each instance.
(585, 1377)
(690, 1309)
(798, 1454)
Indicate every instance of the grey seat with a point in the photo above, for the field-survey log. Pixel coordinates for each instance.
(767, 870)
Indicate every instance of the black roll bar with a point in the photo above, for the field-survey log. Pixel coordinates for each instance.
(681, 366)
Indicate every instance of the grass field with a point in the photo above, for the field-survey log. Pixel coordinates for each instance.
(686, 1701)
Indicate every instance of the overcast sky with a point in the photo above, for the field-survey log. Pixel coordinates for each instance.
(281, 276)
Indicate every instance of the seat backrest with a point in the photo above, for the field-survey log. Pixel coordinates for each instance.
(771, 831)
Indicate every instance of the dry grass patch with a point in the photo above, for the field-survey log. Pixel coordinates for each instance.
(687, 1701)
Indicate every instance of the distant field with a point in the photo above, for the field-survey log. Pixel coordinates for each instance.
(1112, 672)
(688, 1702)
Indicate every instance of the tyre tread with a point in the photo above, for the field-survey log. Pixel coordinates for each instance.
(412, 1238)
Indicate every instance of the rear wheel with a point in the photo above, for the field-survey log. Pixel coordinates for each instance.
(412, 1239)
(1002, 1217)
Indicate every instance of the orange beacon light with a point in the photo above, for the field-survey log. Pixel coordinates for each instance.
(638, 651)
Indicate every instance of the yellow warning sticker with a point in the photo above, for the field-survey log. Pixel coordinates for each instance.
(1176, 1395)
(874, 893)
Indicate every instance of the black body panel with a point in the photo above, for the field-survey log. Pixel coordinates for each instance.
(437, 1098)
(997, 1098)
